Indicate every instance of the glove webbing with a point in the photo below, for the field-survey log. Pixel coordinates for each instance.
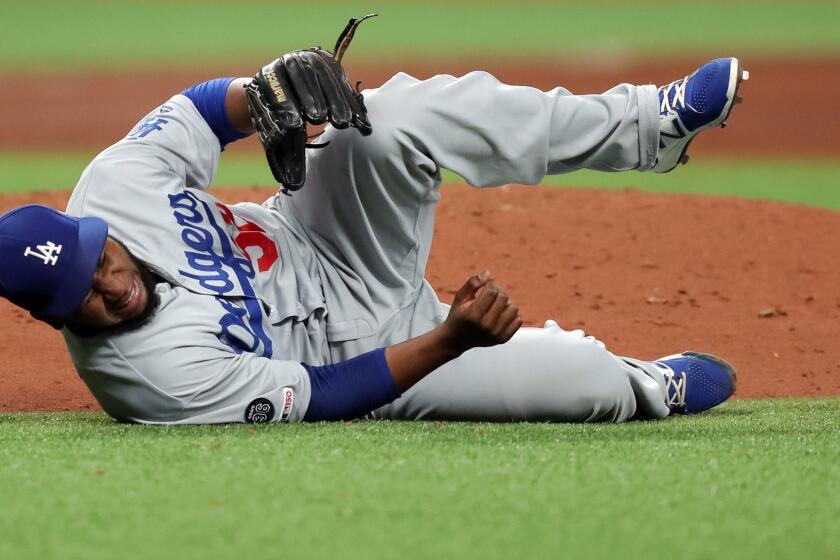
(346, 36)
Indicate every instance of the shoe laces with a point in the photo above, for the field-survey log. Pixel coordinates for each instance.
(677, 383)
(678, 87)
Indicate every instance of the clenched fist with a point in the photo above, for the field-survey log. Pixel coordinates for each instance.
(481, 315)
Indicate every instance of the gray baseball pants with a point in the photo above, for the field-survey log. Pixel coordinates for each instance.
(368, 208)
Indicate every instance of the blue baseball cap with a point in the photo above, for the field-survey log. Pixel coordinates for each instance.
(48, 259)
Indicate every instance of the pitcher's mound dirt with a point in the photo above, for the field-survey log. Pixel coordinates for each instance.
(755, 282)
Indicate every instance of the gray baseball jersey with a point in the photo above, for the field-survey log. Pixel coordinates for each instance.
(337, 269)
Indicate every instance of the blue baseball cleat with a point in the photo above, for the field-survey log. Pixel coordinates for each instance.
(696, 382)
(690, 105)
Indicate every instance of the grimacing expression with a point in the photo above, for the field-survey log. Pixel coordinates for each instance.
(122, 296)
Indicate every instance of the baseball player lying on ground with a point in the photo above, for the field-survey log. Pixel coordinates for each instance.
(177, 308)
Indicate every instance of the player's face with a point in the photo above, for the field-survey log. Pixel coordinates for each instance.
(119, 294)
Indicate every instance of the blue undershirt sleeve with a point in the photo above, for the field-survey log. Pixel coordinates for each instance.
(350, 389)
(209, 98)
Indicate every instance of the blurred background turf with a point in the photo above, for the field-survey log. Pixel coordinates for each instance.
(58, 38)
(69, 35)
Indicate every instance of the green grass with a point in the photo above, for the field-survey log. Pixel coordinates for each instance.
(807, 182)
(115, 34)
(46, 171)
(752, 479)
(814, 183)
(41, 171)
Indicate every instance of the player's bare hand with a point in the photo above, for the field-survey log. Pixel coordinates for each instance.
(482, 314)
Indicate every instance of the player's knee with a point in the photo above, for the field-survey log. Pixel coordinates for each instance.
(389, 124)
(390, 153)
(400, 113)
(385, 145)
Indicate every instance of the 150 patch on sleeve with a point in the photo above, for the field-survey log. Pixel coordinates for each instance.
(288, 403)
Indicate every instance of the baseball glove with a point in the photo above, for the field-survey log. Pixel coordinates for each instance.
(303, 86)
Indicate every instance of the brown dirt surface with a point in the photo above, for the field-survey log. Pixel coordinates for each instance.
(648, 274)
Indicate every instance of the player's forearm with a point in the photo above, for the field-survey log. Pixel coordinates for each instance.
(350, 389)
(354, 387)
(414, 359)
(481, 315)
(236, 106)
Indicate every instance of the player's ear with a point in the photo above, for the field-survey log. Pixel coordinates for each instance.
(55, 322)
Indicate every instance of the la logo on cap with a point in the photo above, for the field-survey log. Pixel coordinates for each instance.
(47, 253)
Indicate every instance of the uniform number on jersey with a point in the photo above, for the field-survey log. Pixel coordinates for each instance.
(250, 235)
